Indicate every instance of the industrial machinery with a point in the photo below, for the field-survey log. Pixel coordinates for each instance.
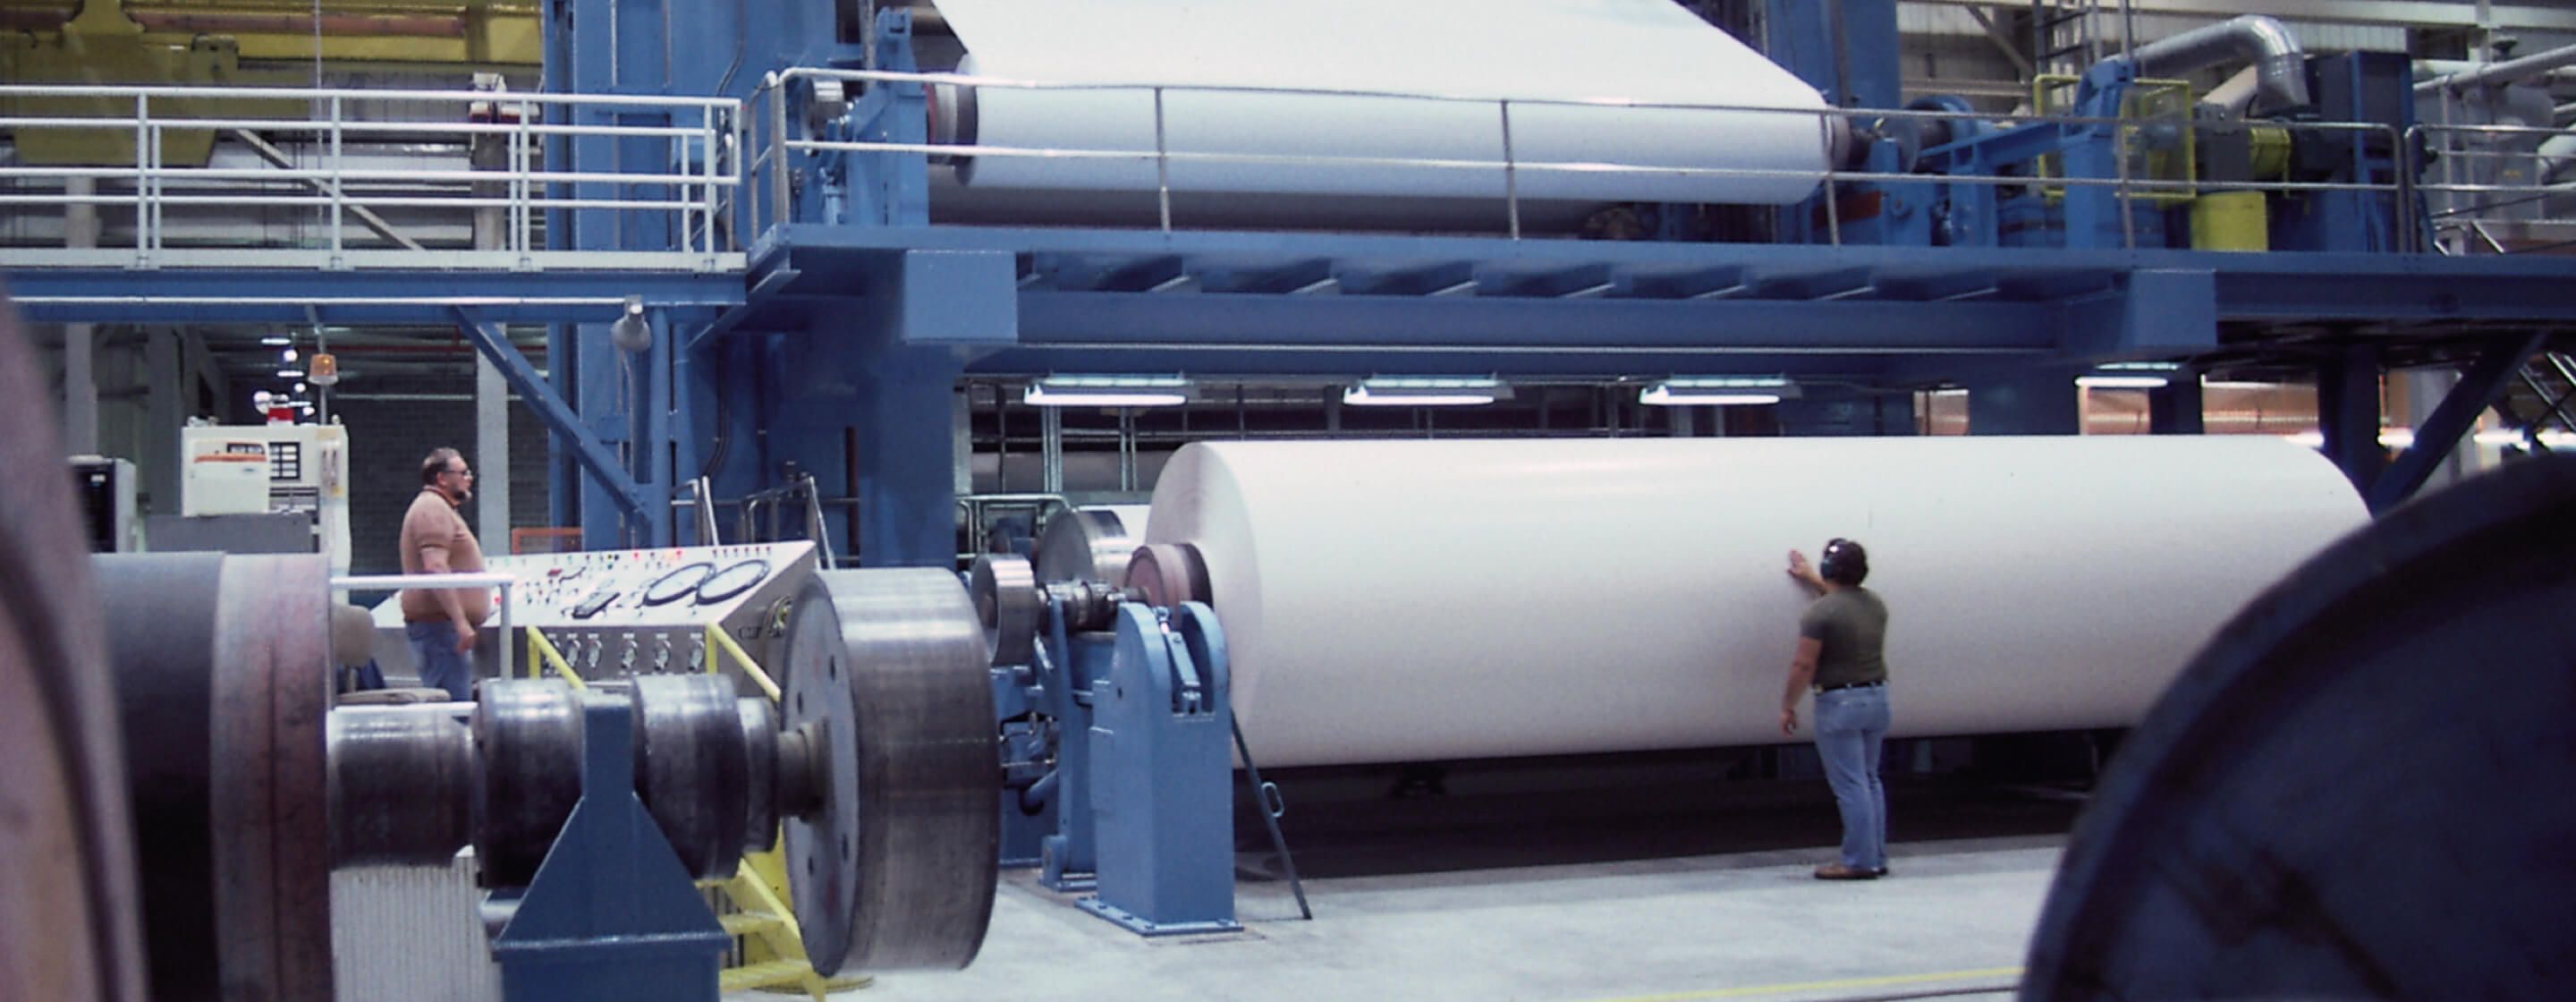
(1116, 732)
(259, 469)
(590, 809)
(106, 489)
(236, 786)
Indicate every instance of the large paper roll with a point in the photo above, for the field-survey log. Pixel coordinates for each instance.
(1621, 51)
(1405, 601)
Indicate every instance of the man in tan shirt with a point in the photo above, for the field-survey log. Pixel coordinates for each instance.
(435, 540)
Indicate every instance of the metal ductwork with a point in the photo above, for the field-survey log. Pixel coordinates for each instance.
(2279, 64)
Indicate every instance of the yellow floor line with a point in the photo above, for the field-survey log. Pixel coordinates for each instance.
(1818, 986)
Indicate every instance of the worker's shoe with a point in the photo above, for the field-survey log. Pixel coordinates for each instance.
(1837, 871)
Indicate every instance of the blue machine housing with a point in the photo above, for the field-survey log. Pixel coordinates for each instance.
(1118, 772)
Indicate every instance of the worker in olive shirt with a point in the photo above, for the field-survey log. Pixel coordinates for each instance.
(1842, 642)
(435, 540)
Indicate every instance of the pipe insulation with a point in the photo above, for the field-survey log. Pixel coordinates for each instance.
(1323, 68)
(1410, 600)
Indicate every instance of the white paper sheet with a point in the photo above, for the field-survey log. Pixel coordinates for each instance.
(1639, 51)
(1402, 601)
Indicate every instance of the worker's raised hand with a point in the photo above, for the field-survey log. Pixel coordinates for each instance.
(1801, 573)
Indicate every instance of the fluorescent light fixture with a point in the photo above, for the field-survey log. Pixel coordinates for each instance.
(1426, 391)
(1716, 391)
(276, 340)
(2509, 436)
(2129, 376)
(1108, 391)
(2121, 382)
(290, 373)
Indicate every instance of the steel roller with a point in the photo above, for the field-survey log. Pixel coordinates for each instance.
(2347, 794)
(1080, 545)
(402, 786)
(692, 768)
(224, 662)
(1007, 603)
(1169, 574)
(894, 867)
(69, 930)
(528, 735)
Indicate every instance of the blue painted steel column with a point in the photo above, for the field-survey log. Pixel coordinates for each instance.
(2348, 413)
(1845, 49)
(607, 476)
(2175, 409)
(2479, 386)
(907, 459)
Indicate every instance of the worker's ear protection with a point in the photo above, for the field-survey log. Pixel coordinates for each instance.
(1843, 562)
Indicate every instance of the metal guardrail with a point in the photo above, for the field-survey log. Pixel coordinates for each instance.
(503, 580)
(687, 194)
(1508, 165)
(2476, 197)
(697, 193)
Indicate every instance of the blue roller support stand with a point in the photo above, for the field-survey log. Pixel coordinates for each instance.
(1162, 766)
(611, 914)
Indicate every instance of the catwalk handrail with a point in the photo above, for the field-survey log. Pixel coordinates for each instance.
(1509, 164)
(335, 175)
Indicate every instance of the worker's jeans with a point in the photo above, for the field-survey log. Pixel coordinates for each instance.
(1851, 725)
(442, 666)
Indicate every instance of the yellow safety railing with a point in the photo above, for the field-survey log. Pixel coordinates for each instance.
(718, 640)
(774, 945)
(542, 654)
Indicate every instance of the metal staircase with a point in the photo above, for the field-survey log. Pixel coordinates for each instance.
(2544, 402)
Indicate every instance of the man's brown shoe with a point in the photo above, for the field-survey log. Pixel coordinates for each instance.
(1837, 871)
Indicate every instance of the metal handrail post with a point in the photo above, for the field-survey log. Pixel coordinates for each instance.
(142, 181)
(778, 192)
(1511, 174)
(1162, 164)
(339, 189)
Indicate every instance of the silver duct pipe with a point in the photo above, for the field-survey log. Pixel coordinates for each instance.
(2509, 71)
(2279, 64)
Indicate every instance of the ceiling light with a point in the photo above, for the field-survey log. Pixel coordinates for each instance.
(2121, 382)
(1716, 391)
(288, 355)
(276, 340)
(301, 388)
(290, 373)
(1108, 391)
(1426, 391)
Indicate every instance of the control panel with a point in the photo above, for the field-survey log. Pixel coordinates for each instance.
(628, 612)
(687, 586)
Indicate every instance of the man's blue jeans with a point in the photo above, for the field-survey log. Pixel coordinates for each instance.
(1851, 726)
(442, 666)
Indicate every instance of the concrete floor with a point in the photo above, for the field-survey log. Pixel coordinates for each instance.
(1955, 919)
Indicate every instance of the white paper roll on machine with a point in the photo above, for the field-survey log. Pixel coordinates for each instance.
(1480, 63)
